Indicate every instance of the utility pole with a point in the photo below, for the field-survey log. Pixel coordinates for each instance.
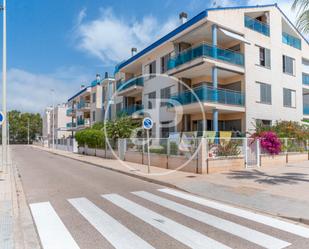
(53, 118)
(4, 124)
(28, 131)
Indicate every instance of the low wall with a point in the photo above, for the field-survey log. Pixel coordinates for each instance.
(225, 164)
(283, 159)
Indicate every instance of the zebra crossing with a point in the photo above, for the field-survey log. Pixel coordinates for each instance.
(270, 233)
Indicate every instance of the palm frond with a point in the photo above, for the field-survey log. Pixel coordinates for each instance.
(300, 4)
(303, 21)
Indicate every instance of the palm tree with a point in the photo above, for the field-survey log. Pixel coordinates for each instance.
(302, 8)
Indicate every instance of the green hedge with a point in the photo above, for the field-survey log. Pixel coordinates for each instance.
(92, 137)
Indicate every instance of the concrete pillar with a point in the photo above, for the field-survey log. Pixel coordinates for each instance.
(214, 29)
(215, 115)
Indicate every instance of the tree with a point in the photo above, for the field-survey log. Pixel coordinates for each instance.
(18, 126)
(302, 8)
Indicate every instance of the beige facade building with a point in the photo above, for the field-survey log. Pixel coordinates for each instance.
(246, 65)
(88, 105)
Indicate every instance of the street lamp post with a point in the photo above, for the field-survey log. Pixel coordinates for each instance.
(53, 118)
(28, 131)
(4, 124)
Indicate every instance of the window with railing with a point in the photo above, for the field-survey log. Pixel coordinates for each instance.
(129, 110)
(256, 25)
(306, 109)
(291, 40)
(206, 50)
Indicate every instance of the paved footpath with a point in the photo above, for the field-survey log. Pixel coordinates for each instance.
(79, 206)
(281, 191)
(17, 230)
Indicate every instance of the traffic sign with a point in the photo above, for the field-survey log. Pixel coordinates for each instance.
(147, 123)
(1, 118)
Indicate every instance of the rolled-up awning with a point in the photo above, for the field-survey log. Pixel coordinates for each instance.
(234, 36)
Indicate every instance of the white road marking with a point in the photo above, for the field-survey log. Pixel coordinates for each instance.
(263, 219)
(117, 234)
(251, 235)
(52, 232)
(187, 236)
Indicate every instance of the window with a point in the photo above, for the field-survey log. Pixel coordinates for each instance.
(151, 100)
(265, 93)
(164, 61)
(94, 97)
(151, 69)
(263, 122)
(264, 57)
(166, 129)
(118, 107)
(165, 94)
(93, 116)
(288, 64)
(289, 98)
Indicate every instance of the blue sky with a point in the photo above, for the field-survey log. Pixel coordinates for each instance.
(61, 44)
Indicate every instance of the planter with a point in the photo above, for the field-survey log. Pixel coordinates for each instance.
(225, 164)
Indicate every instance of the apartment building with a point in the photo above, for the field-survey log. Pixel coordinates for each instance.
(55, 120)
(88, 105)
(246, 65)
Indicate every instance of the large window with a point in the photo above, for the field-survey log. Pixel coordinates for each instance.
(263, 122)
(265, 93)
(151, 100)
(93, 116)
(288, 64)
(264, 57)
(164, 61)
(94, 97)
(289, 98)
(165, 94)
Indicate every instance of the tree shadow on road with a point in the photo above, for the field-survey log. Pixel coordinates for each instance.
(264, 178)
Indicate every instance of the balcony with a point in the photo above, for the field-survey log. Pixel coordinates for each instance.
(291, 40)
(257, 26)
(83, 122)
(305, 79)
(210, 94)
(69, 112)
(71, 125)
(131, 87)
(206, 50)
(130, 110)
(82, 105)
(306, 109)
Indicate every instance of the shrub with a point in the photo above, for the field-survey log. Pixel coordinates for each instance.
(91, 137)
(228, 149)
(270, 142)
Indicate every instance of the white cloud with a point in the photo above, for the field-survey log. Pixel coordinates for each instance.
(110, 38)
(31, 92)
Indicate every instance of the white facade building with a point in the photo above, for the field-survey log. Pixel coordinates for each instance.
(247, 65)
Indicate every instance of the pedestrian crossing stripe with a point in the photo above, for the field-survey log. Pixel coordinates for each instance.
(251, 235)
(185, 235)
(117, 234)
(249, 215)
(52, 232)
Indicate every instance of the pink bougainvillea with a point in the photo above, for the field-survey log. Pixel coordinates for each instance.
(270, 142)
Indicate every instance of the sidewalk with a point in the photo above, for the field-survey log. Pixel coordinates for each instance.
(17, 230)
(280, 191)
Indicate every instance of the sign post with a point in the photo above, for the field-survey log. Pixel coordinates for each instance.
(147, 125)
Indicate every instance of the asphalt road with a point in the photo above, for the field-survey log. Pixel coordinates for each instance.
(76, 205)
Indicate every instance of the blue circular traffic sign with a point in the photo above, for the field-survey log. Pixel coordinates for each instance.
(1, 118)
(147, 123)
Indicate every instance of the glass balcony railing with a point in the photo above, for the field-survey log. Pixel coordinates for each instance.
(83, 104)
(129, 110)
(71, 125)
(306, 79)
(69, 112)
(291, 40)
(132, 82)
(209, 94)
(206, 50)
(83, 122)
(306, 109)
(256, 25)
